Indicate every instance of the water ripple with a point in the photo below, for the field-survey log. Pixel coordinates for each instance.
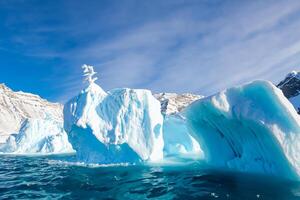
(56, 178)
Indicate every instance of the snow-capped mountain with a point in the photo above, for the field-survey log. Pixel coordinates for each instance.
(290, 87)
(16, 107)
(172, 103)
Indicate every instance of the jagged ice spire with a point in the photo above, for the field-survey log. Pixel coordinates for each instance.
(88, 73)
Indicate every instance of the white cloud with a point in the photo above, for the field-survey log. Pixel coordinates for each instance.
(188, 52)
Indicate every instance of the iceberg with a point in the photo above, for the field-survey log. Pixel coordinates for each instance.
(120, 126)
(38, 136)
(250, 128)
(16, 107)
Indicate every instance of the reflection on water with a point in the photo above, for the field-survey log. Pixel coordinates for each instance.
(40, 177)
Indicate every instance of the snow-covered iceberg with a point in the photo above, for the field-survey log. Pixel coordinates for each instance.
(38, 136)
(251, 128)
(123, 125)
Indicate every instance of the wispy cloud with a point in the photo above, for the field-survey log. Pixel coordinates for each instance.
(176, 46)
(203, 54)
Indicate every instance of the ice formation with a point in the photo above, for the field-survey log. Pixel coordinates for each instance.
(250, 128)
(16, 107)
(178, 142)
(177, 138)
(30, 124)
(123, 125)
(42, 136)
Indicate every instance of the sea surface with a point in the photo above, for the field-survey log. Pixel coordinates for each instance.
(57, 177)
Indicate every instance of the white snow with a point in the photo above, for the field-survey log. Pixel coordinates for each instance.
(251, 128)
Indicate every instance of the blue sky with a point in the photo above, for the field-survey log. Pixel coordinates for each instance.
(199, 46)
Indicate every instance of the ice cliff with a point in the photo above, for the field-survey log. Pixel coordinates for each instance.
(250, 128)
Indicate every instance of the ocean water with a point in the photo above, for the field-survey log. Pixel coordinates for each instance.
(56, 177)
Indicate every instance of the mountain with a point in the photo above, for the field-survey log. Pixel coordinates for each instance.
(16, 107)
(172, 103)
(290, 87)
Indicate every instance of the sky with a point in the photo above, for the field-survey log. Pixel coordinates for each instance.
(200, 46)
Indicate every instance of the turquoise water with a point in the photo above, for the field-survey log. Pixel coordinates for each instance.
(50, 178)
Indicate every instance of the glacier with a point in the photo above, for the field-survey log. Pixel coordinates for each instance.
(250, 128)
(38, 136)
(121, 126)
